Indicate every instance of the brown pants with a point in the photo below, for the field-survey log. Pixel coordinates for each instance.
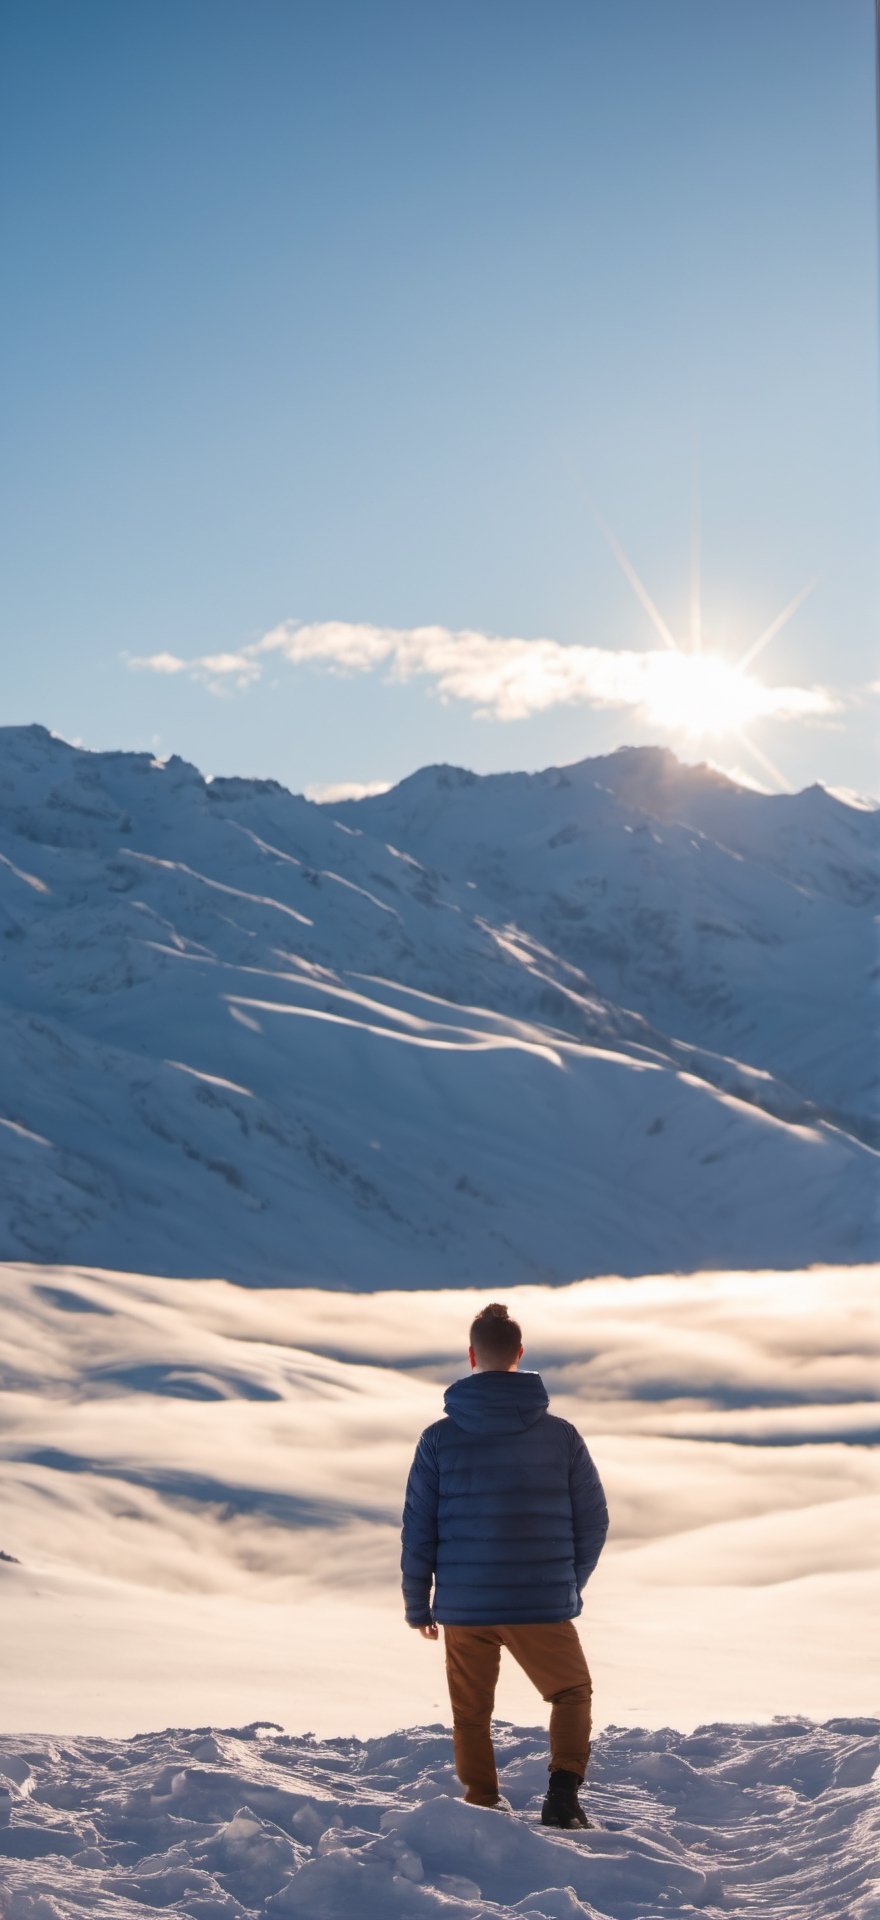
(550, 1653)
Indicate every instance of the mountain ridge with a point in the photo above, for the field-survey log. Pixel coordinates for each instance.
(416, 1038)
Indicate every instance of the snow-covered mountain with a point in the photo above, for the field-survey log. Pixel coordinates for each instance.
(616, 1017)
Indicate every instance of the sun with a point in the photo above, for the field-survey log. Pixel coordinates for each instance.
(699, 694)
(693, 692)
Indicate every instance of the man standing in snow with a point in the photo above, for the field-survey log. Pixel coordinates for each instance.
(506, 1516)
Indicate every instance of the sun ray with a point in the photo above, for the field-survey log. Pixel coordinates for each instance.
(714, 695)
(777, 624)
(639, 589)
(762, 759)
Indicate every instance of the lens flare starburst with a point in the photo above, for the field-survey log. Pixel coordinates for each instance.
(695, 691)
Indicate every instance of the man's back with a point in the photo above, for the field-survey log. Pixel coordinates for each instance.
(503, 1506)
(505, 1518)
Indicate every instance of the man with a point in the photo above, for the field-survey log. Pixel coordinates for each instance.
(505, 1513)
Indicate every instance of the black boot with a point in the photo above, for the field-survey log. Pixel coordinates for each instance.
(562, 1807)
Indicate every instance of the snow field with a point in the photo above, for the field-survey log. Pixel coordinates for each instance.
(736, 1822)
(214, 1478)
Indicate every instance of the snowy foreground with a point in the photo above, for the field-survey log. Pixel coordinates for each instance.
(778, 1821)
(201, 1492)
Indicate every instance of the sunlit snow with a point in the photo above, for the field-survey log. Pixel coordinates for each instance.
(202, 1486)
(734, 1823)
(288, 1091)
(610, 1018)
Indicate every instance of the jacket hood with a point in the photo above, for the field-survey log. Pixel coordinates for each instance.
(496, 1403)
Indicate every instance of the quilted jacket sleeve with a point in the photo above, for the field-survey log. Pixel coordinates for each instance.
(419, 1534)
(589, 1510)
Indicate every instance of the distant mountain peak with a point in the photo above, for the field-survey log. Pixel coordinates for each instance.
(522, 1026)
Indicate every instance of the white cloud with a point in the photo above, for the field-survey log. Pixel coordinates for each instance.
(214, 670)
(346, 790)
(509, 679)
(158, 663)
(512, 678)
(220, 663)
(352, 648)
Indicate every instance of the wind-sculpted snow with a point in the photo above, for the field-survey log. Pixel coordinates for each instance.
(771, 1822)
(613, 1018)
(201, 1490)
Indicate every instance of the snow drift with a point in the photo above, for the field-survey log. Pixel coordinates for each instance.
(250, 1823)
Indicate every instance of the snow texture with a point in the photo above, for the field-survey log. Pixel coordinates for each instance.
(214, 1476)
(611, 1018)
(736, 1822)
(604, 1020)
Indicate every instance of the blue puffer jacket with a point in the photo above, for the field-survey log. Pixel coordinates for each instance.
(504, 1509)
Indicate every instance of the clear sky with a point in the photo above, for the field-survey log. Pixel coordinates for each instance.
(329, 322)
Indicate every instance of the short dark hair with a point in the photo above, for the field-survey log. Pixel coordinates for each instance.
(495, 1338)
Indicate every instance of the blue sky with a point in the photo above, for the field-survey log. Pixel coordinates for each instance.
(338, 322)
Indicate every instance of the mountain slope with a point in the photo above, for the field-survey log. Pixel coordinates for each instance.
(608, 1018)
(711, 909)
